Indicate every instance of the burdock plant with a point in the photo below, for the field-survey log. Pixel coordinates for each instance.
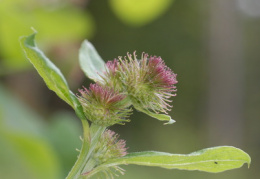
(144, 83)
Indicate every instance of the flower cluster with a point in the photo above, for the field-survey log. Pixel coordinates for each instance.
(147, 84)
(104, 106)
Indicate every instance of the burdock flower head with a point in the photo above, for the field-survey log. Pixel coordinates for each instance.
(103, 105)
(109, 147)
(149, 83)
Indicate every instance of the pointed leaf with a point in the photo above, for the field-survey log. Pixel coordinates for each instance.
(46, 69)
(90, 61)
(51, 75)
(161, 117)
(216, 159)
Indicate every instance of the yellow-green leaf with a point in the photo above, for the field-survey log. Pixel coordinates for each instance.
(216, 159)
(51, 75)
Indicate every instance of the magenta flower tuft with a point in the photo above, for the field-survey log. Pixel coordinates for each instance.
(161, 75)
(104, 106)
(112, 66)
(111, 76)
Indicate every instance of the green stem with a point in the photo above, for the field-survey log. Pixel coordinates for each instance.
(96, 170)
(75, 171)
(82, 164)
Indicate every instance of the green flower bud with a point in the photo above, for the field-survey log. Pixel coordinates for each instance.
(103, 106)
(109, 147)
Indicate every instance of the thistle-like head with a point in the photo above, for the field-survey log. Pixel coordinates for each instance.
(103, 105)
(109, 147)
(148, 82)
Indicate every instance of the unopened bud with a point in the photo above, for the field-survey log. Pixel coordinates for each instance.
(104, 106)
(109, 147)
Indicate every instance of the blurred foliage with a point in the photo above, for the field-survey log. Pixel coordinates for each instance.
(63, 133)
(139, 12)
(58, 23)
(24, 151)
(29, 147)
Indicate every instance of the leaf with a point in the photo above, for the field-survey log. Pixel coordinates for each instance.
(216, 159)
(161, 117)
(90, 61)
(46, 69)
(52, 76)
(139, 12)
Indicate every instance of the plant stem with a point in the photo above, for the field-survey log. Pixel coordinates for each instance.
(75, 171)
(88, 145)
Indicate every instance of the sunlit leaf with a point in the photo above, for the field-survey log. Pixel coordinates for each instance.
(139, 12)
(46, 69)
(216, 159)
(90, 61)
(52, 20)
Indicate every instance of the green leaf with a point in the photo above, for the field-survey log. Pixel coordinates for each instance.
(161, 117)
(46, 69)
(90, 61)
(139, 12)
(52, 77)
(216, 159)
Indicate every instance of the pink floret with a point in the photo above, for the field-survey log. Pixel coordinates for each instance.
(161, 75)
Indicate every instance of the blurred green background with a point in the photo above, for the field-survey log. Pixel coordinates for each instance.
(213, 46)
